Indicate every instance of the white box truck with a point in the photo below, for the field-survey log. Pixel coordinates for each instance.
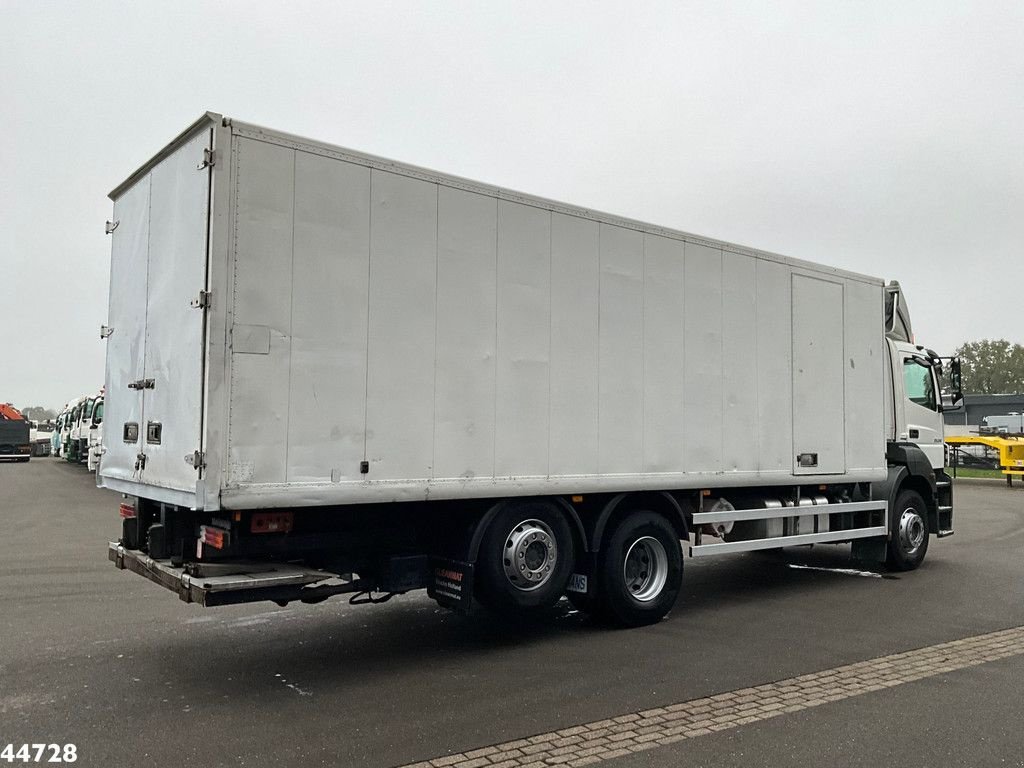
(1010, 423)
(330, 373)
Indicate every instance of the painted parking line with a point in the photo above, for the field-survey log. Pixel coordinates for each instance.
(590, 743)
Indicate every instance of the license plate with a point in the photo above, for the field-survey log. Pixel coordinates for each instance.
(577, 583)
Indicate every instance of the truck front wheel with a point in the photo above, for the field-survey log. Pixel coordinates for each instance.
(525, 558)
(908, 537)
(640, 571)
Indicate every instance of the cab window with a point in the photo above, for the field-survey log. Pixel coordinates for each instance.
(919, 384)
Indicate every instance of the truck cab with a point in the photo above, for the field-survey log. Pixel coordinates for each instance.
(56, 438)
(40, 433)
(913, 385)
(70, 430)
(78, 444)
(95, 436)
(915, 435)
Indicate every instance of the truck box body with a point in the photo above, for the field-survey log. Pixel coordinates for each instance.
(297, 324)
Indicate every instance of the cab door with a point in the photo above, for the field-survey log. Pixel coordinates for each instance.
(921, 408)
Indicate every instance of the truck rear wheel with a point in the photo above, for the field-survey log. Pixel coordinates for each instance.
(908, 538)
(640, 571)
(525, 558)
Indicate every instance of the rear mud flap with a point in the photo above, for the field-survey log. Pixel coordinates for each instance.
(451, 584)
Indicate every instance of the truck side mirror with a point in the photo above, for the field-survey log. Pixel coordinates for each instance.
(956, 381)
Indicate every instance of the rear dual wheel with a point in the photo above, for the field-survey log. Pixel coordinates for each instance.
(528, 552)
(639, 571)
(526, 557)
(638, 574)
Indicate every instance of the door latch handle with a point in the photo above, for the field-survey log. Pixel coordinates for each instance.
(914, 434)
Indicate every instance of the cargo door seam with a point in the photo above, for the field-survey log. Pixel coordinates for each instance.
(551, 259)
(369, 296)
(437, 266)
(291, 331)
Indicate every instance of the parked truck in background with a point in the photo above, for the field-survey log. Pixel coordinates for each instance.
(72, 410)
(1010, 423)
(78, 434)
(330, 373)
(56, 442)
(40, 435)
(15, 434)
(95, 439)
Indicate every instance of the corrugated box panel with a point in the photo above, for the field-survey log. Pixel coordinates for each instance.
(462, 343)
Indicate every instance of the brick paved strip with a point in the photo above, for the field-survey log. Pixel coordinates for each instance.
(590, 743)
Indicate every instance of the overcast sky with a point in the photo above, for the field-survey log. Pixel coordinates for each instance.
(885, 138)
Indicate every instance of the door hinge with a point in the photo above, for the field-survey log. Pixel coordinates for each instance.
(196, 460)
(106, 331)
(202, 301)
(140, 462)
(142, 384)
(209, 159)
(111, 226)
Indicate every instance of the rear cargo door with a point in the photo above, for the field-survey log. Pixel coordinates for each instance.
(175, 315)
(126, 343)
(819, 401)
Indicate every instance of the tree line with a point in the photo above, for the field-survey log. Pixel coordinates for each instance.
(992, 367)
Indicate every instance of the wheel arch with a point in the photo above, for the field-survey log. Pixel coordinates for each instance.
(660, 502)
(909, 470)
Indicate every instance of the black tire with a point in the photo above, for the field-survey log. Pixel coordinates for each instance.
(495, 587)
(621, 599)
(908, 532)
(24, 459)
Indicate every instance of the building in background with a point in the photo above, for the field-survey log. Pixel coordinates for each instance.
(975, 408)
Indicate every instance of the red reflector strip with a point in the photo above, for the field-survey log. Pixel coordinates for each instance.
(272, 522)
(127, 510)
(215, 537)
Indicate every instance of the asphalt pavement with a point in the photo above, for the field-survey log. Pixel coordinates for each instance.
(118, 666)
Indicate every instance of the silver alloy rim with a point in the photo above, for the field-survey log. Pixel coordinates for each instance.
(530, 555)
(912, 531)
(645, 569)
